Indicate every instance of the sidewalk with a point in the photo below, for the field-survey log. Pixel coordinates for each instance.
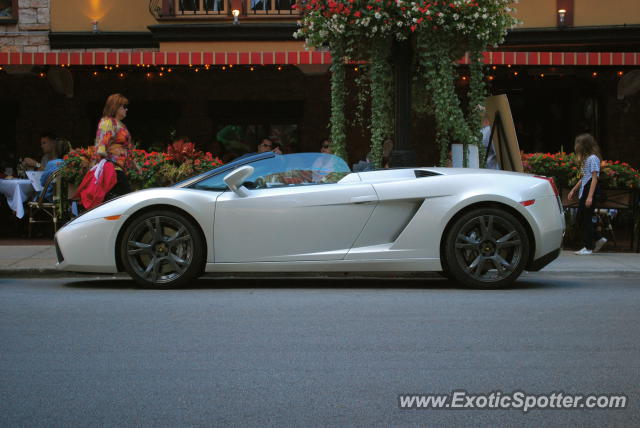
(40, 260)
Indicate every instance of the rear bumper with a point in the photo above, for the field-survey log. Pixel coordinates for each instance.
(539, 263)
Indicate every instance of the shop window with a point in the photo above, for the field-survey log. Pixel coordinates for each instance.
(8, 11)
(239, 126)
(233, 140)
(150, 122)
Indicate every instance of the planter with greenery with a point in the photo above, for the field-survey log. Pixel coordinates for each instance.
(154, 169)
(565, 170)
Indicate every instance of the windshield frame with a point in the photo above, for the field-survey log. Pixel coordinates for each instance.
(223, 168)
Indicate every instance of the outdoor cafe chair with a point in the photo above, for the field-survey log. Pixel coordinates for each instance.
(49, 208)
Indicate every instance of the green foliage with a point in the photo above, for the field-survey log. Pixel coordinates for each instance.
(338, 121)
(381, 110)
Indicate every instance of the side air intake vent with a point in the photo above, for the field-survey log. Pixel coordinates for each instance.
(422, 173)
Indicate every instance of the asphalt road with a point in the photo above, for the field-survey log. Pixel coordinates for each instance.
(82, 352)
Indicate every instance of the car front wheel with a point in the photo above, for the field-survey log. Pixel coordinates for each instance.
(162, 249)
(486, 248)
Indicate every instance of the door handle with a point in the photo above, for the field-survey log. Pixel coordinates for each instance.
(364, 199)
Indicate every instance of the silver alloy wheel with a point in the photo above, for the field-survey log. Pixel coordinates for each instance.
(160, 249)
(488, 248)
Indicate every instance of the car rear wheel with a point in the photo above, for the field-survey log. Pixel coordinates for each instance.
(486, 248)
(162, 249)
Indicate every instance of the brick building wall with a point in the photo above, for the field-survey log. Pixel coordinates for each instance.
(30, 33)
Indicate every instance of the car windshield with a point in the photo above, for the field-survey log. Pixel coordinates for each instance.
(286, 170)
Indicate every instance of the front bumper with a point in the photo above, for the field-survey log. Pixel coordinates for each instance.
(88, 246)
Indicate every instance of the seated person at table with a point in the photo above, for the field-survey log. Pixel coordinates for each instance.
(48, 146)
(61, 148)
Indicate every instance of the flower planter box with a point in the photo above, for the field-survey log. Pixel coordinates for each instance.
(613, 198)
(619, 199)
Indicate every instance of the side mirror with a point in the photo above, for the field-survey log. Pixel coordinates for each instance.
(235, 179)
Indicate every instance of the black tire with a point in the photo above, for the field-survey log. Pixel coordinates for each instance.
(162, 249)
(486, 248)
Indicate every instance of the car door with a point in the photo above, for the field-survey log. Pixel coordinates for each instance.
(291, 222)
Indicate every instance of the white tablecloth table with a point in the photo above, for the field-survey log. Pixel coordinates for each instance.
(17, 192)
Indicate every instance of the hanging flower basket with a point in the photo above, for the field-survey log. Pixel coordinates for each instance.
(363, 30)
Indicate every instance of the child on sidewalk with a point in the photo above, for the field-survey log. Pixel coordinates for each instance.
(588, 155)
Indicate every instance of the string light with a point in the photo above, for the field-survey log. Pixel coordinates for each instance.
(491, 77)
(148, 75)
(121, 75)
(464, 78)
(515, 73)
(170, 70)
(355, 68)
(95, 73)
(279, 68)
(493, 67)
(197, 69)
(1, 68)
(42, 75)
(508, 65)
(594, 74)
(117, 65)
(251, 68)
(224, 68)
(161, 74)
(542, 75)
(620, 73)
(230, 65)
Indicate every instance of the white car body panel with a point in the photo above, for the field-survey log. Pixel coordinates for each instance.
(290, 224)
(385, 220)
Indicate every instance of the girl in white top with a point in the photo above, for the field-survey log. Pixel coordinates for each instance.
(588, 155)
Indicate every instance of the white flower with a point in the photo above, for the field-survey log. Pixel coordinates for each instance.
(377, 15)
(456, 16)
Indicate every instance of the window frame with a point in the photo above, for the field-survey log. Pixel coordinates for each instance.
(13, 19)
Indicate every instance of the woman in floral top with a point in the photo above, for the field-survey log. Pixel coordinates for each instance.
(113, 142)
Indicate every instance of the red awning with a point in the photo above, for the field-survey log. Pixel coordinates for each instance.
(298, 57)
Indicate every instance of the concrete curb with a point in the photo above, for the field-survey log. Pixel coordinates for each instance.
(54, 273)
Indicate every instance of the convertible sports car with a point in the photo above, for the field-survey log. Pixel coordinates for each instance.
(309, 212)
